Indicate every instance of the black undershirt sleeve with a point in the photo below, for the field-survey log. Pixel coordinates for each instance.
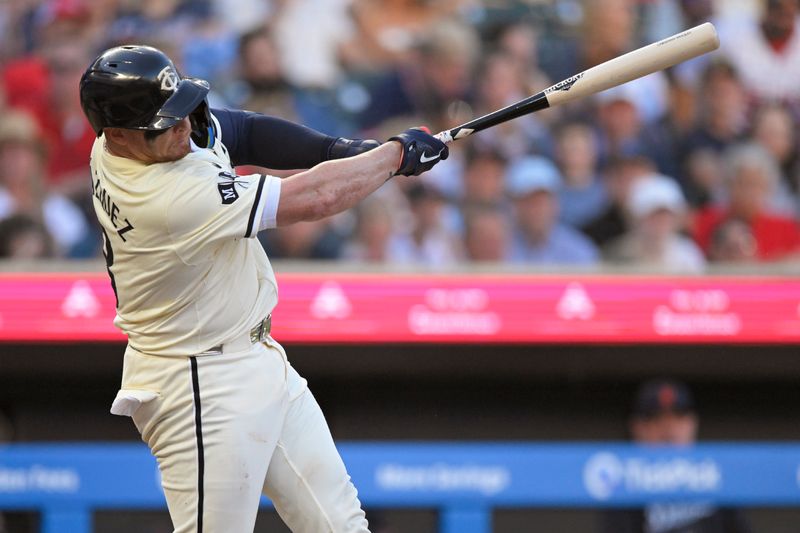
(271, 142)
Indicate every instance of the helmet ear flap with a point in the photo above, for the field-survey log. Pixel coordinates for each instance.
(202, 129)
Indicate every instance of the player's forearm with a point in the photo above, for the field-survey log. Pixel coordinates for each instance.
(335, 186)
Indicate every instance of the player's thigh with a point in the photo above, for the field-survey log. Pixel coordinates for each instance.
(243, 412)
(307, 480)
(213, 433)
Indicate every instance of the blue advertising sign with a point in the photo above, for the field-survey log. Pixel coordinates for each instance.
(464, 480)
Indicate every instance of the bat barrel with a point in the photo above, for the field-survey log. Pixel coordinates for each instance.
(636, 64)
(641, 62)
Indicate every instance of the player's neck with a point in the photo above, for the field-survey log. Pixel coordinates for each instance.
(121, 150)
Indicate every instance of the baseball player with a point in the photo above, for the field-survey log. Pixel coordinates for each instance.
(210, 391)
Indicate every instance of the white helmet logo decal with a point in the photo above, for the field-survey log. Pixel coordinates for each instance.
(169, 79)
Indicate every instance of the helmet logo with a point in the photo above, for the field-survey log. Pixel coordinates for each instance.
(169, 79)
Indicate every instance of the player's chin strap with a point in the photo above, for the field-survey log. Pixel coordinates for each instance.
(203, 133)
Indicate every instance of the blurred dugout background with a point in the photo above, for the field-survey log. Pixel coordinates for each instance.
(694, 171)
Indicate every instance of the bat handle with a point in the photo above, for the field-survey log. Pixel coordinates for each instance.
(444, 136)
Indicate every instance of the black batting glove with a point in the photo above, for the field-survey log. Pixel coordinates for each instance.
(341, 147)
(421, 151)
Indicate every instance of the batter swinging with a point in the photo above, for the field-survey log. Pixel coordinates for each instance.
(210, 391)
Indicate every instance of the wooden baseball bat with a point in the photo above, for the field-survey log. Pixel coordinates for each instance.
(641, 62)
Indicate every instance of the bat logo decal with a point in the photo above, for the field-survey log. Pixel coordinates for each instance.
(565, 85)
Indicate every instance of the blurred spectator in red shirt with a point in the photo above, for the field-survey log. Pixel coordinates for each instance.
(46, 85)
(751, 179)
(766, 53)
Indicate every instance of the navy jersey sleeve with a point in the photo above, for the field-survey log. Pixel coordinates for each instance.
(271, 142)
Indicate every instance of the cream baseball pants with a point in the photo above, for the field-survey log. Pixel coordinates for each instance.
(226, 428)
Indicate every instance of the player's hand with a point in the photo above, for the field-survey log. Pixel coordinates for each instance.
(421, 151)
(342, 147)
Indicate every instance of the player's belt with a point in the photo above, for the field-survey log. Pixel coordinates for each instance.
(258, 333)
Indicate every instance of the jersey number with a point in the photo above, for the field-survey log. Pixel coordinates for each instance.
(108, 252)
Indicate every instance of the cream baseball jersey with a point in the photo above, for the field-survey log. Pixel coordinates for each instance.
(179, 241)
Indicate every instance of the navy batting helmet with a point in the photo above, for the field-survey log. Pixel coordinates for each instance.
(138, 87)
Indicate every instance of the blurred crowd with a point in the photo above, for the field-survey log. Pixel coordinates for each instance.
(685, 168)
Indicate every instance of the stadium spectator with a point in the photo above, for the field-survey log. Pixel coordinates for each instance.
(390, 29)
(500, 82)
(775, 130)
(664, 413)
(583, 194)
(23, 159)
(374, 232)
(620, 130)
(313, 56)
(609, 30)
(732, 241)
(663, 18)
(475, 174)
(304, 240)
(766, 53)
(487, 233)
(483, 179)
(363, 62)
(751, 180)
(210, 49)
(46, 86)
(519, 40)
(243, 16)
(22, 237)
(154, 20)
(438, 74)
(658, 209)
(261, 84)
(430, 241)
(533, 183)
(619, 175)
(722, 122)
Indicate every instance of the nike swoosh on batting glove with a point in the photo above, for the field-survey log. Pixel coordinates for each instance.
(421, 151)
